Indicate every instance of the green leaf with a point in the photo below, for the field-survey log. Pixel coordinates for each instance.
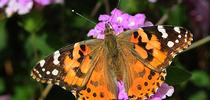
(37, 43)
(2, 85)
(131, 4)
(32, 22)
(24, 92)
(200, 78)
(177, 16)
(177, 75)
(3, 35)
(200, 95)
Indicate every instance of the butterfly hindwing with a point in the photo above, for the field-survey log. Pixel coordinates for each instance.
(69, 67)
(140, 81)
(145, 82)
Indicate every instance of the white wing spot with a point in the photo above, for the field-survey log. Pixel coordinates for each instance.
(179, 36)
(48, 72)
(163, 31)
(176, 41)
(55, 72)
(40, 75)
(170, 44)
(42, 62)
(55, 57)
(177, 29)
(43, 69)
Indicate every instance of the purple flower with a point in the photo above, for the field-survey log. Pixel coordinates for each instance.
(58, 1)
(19, 6)
(48, 2)
(43, 2)
(97, 32)
(122, 95)
(5, 97)
(163, 91)
(136, 21)
(120, 21)
(152, 1)
(24, 6)
(3, 3)
(118, 17)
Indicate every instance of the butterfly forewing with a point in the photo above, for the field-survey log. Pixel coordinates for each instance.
(155, 46)
(69, 67)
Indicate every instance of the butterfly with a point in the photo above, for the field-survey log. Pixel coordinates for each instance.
(90, 69)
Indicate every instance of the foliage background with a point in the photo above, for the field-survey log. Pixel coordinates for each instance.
(25, 39)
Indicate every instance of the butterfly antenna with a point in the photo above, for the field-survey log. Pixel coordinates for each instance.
(118, 4)
(73, 11)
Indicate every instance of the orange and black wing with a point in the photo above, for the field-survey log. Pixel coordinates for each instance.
(156, 46)
(101, 85)
(149, 51)
(81, 69)
(70, 67)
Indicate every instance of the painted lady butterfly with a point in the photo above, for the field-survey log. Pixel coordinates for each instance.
(138, 57)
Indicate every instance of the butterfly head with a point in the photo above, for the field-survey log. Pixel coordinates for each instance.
(108, 29)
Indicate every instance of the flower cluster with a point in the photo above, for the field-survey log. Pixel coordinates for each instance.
(22, 7)
(122, 21)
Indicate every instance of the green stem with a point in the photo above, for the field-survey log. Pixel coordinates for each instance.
(199, 43)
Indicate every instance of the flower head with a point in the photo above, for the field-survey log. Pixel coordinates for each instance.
(22, 7)
(18, 6)
(120, 21)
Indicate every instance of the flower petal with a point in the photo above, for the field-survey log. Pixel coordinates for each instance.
(122, 95)
(116, 12)
(43, 2)
(24, 6)
(163, 91)
(3, 3)
(104, 17)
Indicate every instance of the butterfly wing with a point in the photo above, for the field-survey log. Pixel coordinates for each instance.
(101, 85)
(80, 68)
(70, 67)
(149, 51)
(156, 46)
(140, 81)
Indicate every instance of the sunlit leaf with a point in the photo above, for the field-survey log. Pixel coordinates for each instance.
(35, 42)
(200, 95)
(23, 92)
(32, 23)
(200, 78)
(131, 4)
(177, 16)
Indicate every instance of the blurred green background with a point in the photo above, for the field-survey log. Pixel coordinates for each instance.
(25, 39)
